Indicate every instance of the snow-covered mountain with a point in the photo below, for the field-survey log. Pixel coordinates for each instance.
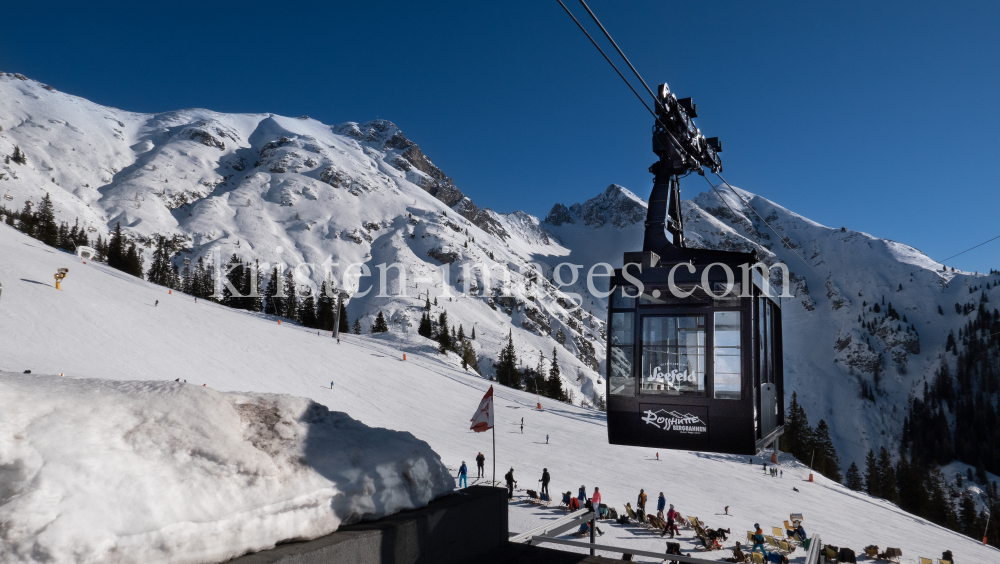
(293, 190)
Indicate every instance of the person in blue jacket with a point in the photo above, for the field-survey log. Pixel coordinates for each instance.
(463, 478)
(661, 502)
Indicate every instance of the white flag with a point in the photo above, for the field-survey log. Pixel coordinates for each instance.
(483, 419)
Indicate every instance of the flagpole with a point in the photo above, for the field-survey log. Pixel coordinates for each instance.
(494, 454)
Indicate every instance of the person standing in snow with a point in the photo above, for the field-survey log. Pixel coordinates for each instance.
(509, 476)
(582, 495)
(331, 385)
(463, 478)
(546, 439)
(522, 428)
(661, 503)
(595, 500)
(671, 527)
(758, 539)
(480, 462)
(641, 502)
(545, 481)
(156, 303)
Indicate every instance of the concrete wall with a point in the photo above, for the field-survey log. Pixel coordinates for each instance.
(455, 529)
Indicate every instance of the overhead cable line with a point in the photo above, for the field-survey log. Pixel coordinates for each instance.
(629, 84)
(782, 239)
(969, 249)
(608, 35)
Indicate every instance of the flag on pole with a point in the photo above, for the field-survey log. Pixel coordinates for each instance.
(483, 418)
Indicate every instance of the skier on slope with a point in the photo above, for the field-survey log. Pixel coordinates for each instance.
(480, 462)
(545, 481)
(463, 477)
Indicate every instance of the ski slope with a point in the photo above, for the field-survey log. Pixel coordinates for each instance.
(105, 324)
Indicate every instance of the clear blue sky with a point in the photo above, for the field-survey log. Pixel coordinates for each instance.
(880, 116)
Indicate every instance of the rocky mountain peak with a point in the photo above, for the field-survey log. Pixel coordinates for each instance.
(616, 205)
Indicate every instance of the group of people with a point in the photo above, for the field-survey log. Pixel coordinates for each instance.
(463, 470)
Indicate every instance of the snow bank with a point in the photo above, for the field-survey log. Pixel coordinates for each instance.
(108, 471)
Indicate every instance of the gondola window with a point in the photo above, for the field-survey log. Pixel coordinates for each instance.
(621, 381)
(673, 354)
(727, 374)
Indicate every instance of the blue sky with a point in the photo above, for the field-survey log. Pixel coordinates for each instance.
(879, 116)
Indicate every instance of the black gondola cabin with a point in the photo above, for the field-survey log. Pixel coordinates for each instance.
(694, 336)
(700, 372)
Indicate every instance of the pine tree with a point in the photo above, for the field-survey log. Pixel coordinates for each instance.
(872, 476)
(116, 248)
(425, 329)
(344, 325)
(473, 336)
(307, 312)
(827, 462)
(506, 364)
(553, 383)
(66, 242)
(291, 299)
(853, 479)
(133, 261)
(235, 277)
(469, 358)
(46, 228)
(797, 439)
(357, 326)
(18, 156)
(380, 326)
(187, 280)
(325, 308)
(254, 301)
(444, 337)
(887, 475)
(274, 304)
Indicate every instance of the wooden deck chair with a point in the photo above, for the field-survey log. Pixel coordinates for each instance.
(829, 553)
(788, 526)
(758, 558)
(750, 537)
(786, 546)
(778, 532)
(770, 541)
(871, 552)
(925, 560)
(692, 520)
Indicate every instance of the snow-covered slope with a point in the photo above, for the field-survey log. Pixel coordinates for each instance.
(161, 471)
(303, 194)
(106, 324)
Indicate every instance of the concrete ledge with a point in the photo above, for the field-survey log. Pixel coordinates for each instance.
(455, 529)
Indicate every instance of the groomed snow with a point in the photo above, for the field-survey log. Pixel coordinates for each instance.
(110, 471)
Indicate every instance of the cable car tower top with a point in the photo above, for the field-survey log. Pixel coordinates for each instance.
(682, 150)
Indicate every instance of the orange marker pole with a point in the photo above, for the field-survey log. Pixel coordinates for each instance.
(404, 356)
(279, 322)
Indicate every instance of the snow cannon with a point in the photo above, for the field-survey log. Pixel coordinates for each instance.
(694, 343)
(60, 274)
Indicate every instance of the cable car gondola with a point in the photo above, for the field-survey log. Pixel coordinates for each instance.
(694, 336)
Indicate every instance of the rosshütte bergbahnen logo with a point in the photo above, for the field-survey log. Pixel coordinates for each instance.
(675, 421)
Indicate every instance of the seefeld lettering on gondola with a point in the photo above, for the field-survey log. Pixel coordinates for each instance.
(671, 377)
(674, 421)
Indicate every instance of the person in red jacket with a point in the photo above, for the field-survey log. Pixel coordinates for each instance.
(672, 517)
